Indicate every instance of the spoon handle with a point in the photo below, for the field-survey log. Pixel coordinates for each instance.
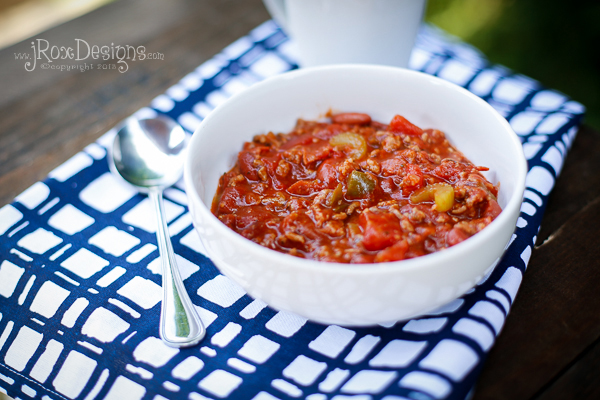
(180, 325)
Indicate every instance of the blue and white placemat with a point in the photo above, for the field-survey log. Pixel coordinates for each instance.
(80, 284)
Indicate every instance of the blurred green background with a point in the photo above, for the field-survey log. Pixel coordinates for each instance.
(556, 42)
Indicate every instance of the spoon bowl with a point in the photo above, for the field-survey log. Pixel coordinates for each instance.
(149, 154)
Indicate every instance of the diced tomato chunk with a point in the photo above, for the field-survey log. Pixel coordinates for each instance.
(327, 173)
(315, 151)
(271, 165)
(231, 199)
(395, 252)
(304, 188)
(400, 124)
(455, 236)
(492, 210)
(388, 185)
(381, 229)
(246, 161)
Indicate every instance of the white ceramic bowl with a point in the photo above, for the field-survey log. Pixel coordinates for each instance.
(367, 294)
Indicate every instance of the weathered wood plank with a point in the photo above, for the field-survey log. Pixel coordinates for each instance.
(580, 381)
(555, 318)
(67, 111)
(578, 184)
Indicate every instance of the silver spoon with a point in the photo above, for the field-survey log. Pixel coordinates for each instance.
(149, 154)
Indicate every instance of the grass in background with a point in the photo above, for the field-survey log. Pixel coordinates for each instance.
(552, 41)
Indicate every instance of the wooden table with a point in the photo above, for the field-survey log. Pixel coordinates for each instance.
(550, 345)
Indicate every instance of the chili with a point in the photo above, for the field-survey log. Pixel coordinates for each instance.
(354, 190)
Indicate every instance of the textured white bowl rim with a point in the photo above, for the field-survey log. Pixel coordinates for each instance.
(429, 260)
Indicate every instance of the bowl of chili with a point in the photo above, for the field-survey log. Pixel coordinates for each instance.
(355, 194)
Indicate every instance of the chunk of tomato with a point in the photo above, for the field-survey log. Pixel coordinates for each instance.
(231, 200)
(380, 229)
(400, 124)
(492, 210)
(315, 152)
(327, 173)
(246, 161)
(455, 236)
(304, 188)
(395, 252)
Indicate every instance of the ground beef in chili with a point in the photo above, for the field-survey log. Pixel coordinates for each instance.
(353, 190)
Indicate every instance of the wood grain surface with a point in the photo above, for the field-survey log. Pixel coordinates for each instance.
(550, 345)
(47, 116)
(550, 348)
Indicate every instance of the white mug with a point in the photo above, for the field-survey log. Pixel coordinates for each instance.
(350, 31)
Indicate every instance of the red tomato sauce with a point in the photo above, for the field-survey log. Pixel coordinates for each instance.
(353, 190)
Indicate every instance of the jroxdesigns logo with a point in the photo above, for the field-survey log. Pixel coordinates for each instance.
(83, 51)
